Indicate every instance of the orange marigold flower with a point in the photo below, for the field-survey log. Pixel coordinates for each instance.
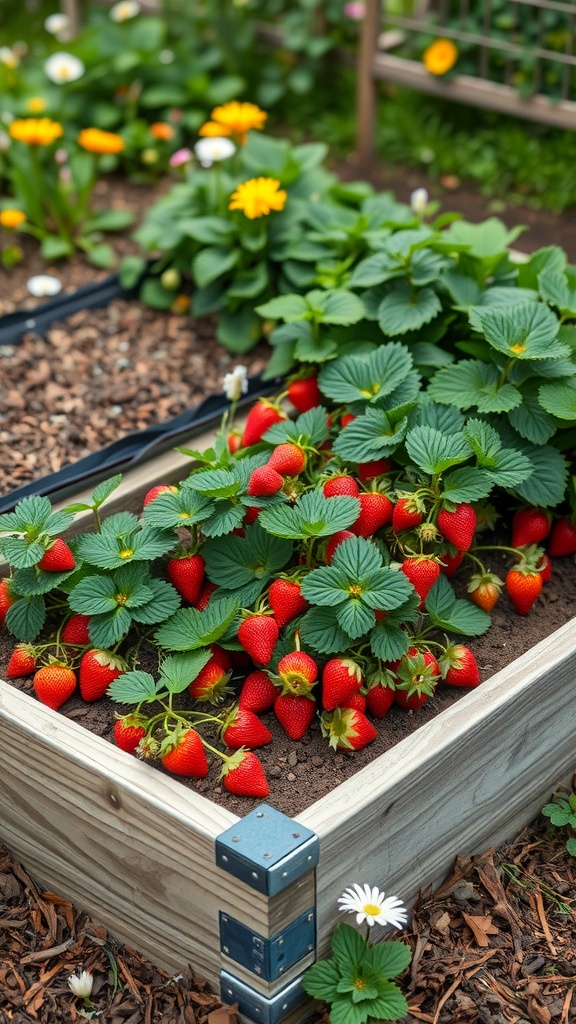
(257, 197)
(181, 305)
(35, 131)
(36, 105)
(12, 218)
(162, 130)
(235, 119)
(440, 56)
(97, 141)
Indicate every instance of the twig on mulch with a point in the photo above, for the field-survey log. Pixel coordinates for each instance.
(44, 939)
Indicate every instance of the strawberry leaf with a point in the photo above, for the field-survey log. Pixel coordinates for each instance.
(371, 436)
(94, 595)
(38, 581)
(452, 614)
(366, 378)
(108, 629)
(406, 308)
(179, 670)
(215, 483)
(474, 384)
(172, 510)
(467, 484)
(355, 618)
(310, 428)
(389, 958)
(20, 552)
(525, 330)
(389, 641)
(105, 489)
(434, 451)
(242, 560)
(223, 519)
(312, 515)
(164, 601)
(133, 688)
(320, 629)
(29, 515)
(25, 618)
(189, 628)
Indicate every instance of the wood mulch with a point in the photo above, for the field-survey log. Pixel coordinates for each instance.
(495, 944)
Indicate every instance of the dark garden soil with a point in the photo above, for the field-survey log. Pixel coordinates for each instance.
(496, 944)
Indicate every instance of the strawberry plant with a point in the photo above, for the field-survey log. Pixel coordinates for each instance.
(561, 813)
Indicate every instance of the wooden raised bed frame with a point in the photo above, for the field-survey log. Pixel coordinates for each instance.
(138, 851)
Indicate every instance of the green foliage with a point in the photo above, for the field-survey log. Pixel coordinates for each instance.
(561, 814)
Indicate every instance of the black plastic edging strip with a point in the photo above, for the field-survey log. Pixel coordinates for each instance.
(134, 448)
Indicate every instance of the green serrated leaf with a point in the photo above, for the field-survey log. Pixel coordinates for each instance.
(173, 510)
(434, 451)
(312, 515)
(559, 399)
(237, 561)
(26, 616)
(37, 581)
(164, 602)
(106, 630)
(189, 629)
(105, 489)
(452, 614)
(367, 378)
(526, 330)
(389, 641)
(215, 483)
(179, 670)
(355, 618)
(531, 421)
(370, 436)
(319, 629)
(20, 552)
(471, 383)
(406, 308)
(133, 688)
(466, 484)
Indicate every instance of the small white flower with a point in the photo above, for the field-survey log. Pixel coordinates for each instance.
(4, 142)
(166, 57)
(6, 117)
(235, 384)
(44, 284)
(419, 201)
(125, 10)
(209, 151)
(81, 984)
(63, 67)
(370, 905)
(8, 57)
(57, 25)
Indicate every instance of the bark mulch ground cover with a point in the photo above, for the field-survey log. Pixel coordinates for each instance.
(495, 944)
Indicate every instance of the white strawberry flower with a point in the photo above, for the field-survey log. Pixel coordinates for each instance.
(125, 10)
(419, 201)
(9, 57)
(44, 284)
(63, 67)
(235, 383)
(209, 151)
(372, 906)
(58, 25)
(81, 984)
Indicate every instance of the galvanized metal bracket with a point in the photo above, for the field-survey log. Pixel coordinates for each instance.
(257, 1007)
(267, 850)
(269, 959)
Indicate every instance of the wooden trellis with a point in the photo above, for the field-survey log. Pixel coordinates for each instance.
(451, 19)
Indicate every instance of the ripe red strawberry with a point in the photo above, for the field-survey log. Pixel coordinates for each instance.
(335, 541)
(128, 732)
(242, 728)
(305, 393)
(450, 563)
(458, 666)
(375, 511)
(97, 670)
(341, 677)
(485, 589)
(286, 601)
(407, 514)
(262, 416)
(54, 684)
(529, 526)
(210, 683)
(379, 700)
(347, 729)
(422, 572)
(187, 576)
(563, 539)
(75, 631)
(184, 755)
(294, 713)
(258, 693)
(252, 514)
(523, 588)
(544, 566)
(287, 459)
(341, 485)
(368, 470)
(234, 442)
(417, 672)
(22, 661)
(155, 491)
(243, 775)
(258, 635)
(347, 418)
(57, 558)
(264, 481)
(298, 672)
(458, 527)
(357, 702)
(205, 594)
(5, 599)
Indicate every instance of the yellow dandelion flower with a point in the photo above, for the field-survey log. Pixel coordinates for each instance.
(235, 119)
(162, 130)
(12, 218)
(440, 56)
(97, 141)
(36, 105)
(257, 197)
(35, 131)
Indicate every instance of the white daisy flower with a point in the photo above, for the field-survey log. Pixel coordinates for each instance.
(419, 201)
(235, 383)
(209, 151)
(63, 67)
(57, 25)
(43, 285)
(125, 10)
(370, 905)
(8, 57)
(81, 984)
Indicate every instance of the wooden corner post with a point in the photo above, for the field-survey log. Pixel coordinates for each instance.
(366, 89)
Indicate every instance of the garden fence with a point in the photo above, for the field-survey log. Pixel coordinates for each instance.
(513, 56)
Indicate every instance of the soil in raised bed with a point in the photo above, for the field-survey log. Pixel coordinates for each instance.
(495, 944)
(301, 772)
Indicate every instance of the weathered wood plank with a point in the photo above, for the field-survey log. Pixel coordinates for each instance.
(130, 845)
(464, 781)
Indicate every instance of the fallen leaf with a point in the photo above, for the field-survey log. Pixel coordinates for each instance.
(481, 927)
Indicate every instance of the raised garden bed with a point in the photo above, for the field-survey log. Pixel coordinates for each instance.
(145, 854)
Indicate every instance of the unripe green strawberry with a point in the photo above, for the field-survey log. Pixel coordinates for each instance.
(347, 729)
(263, 481)
(262, 416)
(297, 672)
(258, 692)
(341, 485)
(187, 576)
(523, 588)
(287, 459)
(57, 558)
(75, 631)
(22, 661)
(97, 670)
(294, 713)
(243, 775)
(458, 527)
(242, 728)
(54, 684)
(184, 755)
(128, 732)
(258, 635)
(458, 666)
(286, 601)
(341, 677)
(304, 393)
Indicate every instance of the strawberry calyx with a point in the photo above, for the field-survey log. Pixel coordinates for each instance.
(343, 728)
(297, 674)
(417, 674)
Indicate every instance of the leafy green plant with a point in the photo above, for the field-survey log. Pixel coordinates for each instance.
(561, 814)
